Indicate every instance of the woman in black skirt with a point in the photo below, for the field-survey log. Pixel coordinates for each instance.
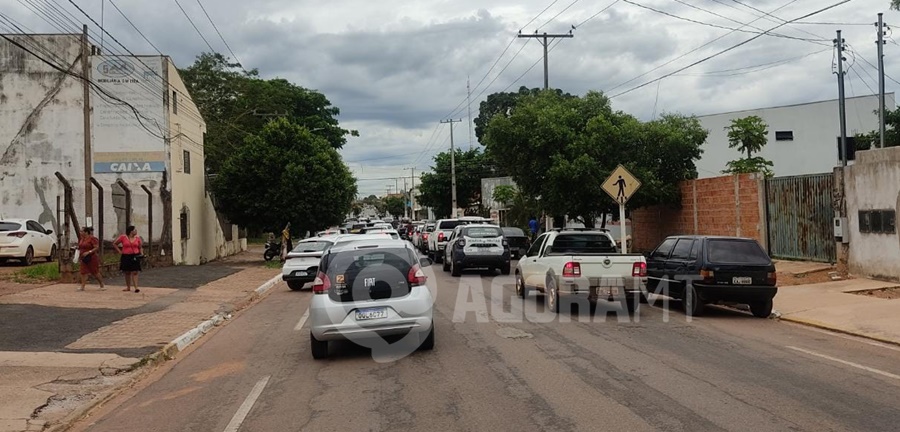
(131, 247)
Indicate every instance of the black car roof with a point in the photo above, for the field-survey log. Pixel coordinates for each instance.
(709, 237)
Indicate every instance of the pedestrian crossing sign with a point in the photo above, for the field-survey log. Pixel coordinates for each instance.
(621, 185)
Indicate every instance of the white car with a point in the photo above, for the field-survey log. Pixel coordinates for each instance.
(25, 239)
(380, 230)
(369, 289)
(302, 262)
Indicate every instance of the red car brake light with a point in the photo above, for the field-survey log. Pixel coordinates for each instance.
(18, 234)
(572, 269)
(639, 269)
(440, 237)
(416, 277)
(322, 284)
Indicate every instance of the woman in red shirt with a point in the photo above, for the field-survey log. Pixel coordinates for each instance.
(131, 247)
(88, 245)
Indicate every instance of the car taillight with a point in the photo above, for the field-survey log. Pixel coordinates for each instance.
(639, 269)
(461, 243)
(772, 278)
(572, 269)
(17, 234)
(425, 237)
(708, 276)
(322, 284)
(440, 237)
(416, 277)
(505, 243)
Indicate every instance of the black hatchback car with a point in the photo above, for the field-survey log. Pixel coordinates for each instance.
(706, 269)
(518, 241)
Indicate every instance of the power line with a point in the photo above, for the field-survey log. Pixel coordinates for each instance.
(211, 49)
(538, 15)
(833, 23)
(218, 32)
(689, 52)
(874, 67)
(728, 49)
(756, 68)
(134, 26)
(499, 74)
(558, 14)
(598, 13)
(775, 17)
(723, 27)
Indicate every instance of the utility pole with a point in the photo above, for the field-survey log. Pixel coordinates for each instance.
(396, 185)
(881, 119)
(469, 103)
(412, 194)
(545, 40)
(405, 199)
(452, 166)
(842, 109)
(88, 150)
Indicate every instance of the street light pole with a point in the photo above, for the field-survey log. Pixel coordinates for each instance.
(452, 167)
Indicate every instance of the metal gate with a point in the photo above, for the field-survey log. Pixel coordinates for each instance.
(800, 216)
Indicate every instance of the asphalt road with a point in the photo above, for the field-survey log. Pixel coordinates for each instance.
(494, 371)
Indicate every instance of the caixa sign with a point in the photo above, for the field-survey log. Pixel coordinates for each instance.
(129, 167)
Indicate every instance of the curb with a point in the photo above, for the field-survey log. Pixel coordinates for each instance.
(168, 352)
(822, 326)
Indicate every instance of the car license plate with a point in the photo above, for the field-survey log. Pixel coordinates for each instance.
(371, 313)
(300, 273)
(608, 291)
(743, 280)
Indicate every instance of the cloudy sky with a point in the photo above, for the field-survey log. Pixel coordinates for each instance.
(396, 68)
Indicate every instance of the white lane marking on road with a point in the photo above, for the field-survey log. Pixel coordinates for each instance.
(845, 362)
(245, 408)
(302, 321)
(853, 338)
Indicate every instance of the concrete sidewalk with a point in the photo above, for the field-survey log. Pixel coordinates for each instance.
(833, 306)
(63, 351)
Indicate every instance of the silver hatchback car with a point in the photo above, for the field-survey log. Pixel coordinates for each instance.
(369, 290)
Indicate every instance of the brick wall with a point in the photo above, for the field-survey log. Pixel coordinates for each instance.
(728, 205)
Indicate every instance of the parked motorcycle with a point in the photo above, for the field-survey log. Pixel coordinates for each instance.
(273, 249)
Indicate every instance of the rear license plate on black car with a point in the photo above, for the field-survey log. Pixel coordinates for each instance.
(743, 280)
(371, 313)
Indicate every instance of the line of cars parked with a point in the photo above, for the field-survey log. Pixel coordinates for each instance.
(25, 240)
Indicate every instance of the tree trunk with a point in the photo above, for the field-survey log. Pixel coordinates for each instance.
(589, 221)
(603, 220)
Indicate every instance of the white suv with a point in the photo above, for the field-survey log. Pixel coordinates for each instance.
(368, 290)
(437, 240)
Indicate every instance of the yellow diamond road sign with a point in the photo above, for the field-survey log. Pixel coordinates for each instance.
(621, 185)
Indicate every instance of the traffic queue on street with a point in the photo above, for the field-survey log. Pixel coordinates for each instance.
(368, 281)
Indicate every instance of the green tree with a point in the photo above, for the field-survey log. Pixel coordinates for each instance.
(895, 4)
(505, 194)
(236, 104)
(748, 134)
(519, 207)
(394, 205)
(435, 187)
(285, 174)
(871, 139)
(560, 149)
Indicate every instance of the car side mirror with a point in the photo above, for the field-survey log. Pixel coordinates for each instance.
(49, 232)
(425, 262)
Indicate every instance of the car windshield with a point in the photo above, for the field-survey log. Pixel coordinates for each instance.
(311, 246)
(513, 232)
(10, 226)
(584, 243)
(728, 251)
(482, 232)
(450, 224)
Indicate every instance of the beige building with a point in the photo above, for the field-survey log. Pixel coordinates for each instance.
(145, 159)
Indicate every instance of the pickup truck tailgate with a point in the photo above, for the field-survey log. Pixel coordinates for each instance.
(606, 270)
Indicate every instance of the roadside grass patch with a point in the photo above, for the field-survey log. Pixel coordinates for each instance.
(44, 272)
(274, 264)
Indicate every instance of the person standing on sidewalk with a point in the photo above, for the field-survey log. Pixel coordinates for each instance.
(88, 245)
(533, 227)
(131, 247)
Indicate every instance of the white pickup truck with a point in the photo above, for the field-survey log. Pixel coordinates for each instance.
(581, 262)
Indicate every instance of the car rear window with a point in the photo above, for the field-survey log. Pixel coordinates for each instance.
(311, 246)
(726, 251)
(10, 226)
(429, 228)
(482, 232)
(513, 232)
(574, 244)
(371, 273)
(449, 225)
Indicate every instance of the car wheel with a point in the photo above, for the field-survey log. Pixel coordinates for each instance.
(52, 256)
(505, 270)
(631, 302)
(455, 270)
(446, 266)
(762, 308)
(295, 286)
(428, 342)
(438, 257)
(551, 295)
(29, 257)
(521, 290)
(693, 304)
(319, 348)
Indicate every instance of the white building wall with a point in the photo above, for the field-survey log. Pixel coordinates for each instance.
(873, 183)
(41, 127)
(815, 127)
